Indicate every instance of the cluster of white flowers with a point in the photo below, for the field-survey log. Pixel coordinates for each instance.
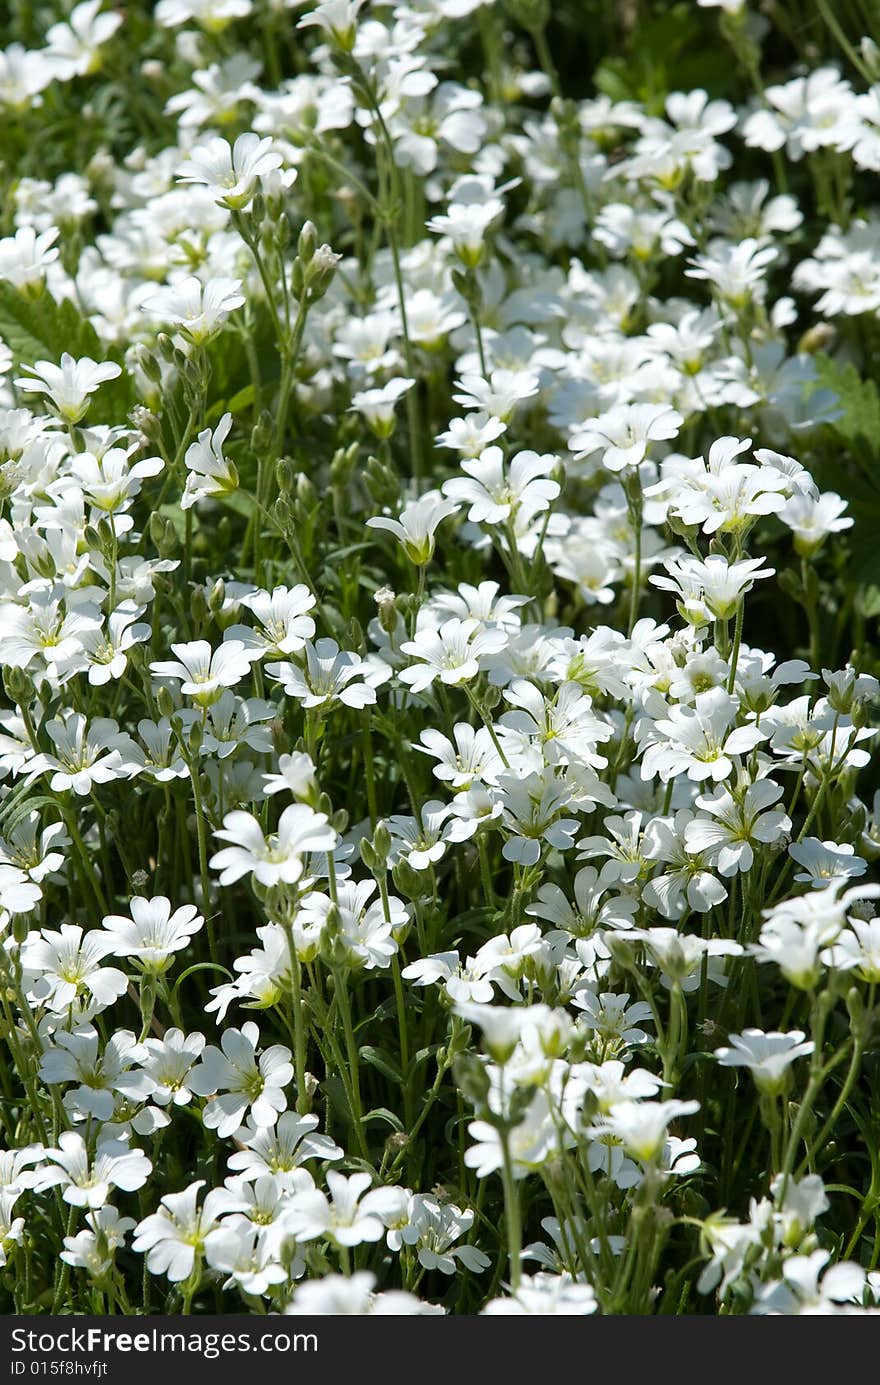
(435, 691)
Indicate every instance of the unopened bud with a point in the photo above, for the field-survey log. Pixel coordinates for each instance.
(384, 599)
(18, 686)
(164, 703)
(166, 348)
(407, 880)
(261, 434)
(307, 242)
(320, 272)
(217, 596)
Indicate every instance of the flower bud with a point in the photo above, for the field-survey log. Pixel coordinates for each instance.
(164, 703)
(307, 243)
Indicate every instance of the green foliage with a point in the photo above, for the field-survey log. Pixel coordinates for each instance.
(675, 51)
(41, 329)
(858, 401)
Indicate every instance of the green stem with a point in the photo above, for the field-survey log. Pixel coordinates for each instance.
(737, 641)
(340, 992)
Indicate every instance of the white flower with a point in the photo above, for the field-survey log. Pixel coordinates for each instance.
(501, 395)
(824, 861)
(614, 1024)
(738, 822)
(688, 881)
(451, 653)
(284, 624)
(545, 1295)
(433, 1228)
(245, 1083)
(296, 776)
(94, 1248)
(698, 741)
(281, 1149)
(208, 472)
(11, 1228)
(72, 48)
(246, 1254)
(417, 525)
(212, 15)
(503, 1026)
(67, 963)
(812, 518)
(767, 1056)
(466, 224)
(86, 1181)
(471, 435)
(682, 956)
(363, 926)
(106, 651)
(348, 1217)
(377, 405)
(337, 19)
(231, 172)
(795, 942)
(25, 257)
(18, 893)
(565, 727)
(421, 841)
(711, 588)
(70, 385)
(200, 310)
(495, 489)
(204, 672)
(857, 949)
(624, 434)
(175, 1236)
(595, 905)
(462, 981)
(339, 1295)
(800, 1291)
(330, 674)
(472, 756)
(153, 933)
(642, 1126)
(169, 1062)
(532, 813)
(105, 1077)
(275, 858)
(736, 272)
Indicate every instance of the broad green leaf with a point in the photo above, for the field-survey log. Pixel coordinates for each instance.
(382, 1060)
(858, 399)
(42, 329)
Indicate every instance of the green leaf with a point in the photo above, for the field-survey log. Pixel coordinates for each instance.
(236, 405)
(382, 1060)
(423, 1055)
(172, 511)
(858, 399)
(867, 600)
(19, 804)
(673, 51)
(42, 328)
(381, 1113)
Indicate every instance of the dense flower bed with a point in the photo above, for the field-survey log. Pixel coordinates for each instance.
(439, 471)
